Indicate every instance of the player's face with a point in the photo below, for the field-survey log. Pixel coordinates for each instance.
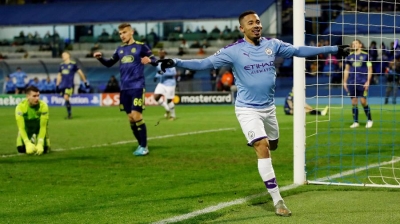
(251, 26)
(356, 45)
(65, 56)
(126, 34)
(33, 98)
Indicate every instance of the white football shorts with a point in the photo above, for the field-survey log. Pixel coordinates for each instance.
(258, 123)
(167, 91)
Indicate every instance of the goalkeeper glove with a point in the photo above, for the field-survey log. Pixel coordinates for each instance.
(343, 50)
(29, 147)
(166, 63)
(39, 147)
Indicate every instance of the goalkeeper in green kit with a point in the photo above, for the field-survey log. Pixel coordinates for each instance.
(32, 116)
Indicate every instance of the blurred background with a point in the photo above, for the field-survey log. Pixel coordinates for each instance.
(34, 33)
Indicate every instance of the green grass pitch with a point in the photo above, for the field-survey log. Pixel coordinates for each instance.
(195, 162)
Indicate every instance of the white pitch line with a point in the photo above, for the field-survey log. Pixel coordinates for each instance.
(219, 206)
(245, 199)
(130, 141)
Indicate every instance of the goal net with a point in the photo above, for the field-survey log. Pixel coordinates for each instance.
(335, 153)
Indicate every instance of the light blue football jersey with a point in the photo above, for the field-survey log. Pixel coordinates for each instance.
(253, 69)
(168, 77)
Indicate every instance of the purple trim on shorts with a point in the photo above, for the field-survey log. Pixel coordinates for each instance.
(256, 139)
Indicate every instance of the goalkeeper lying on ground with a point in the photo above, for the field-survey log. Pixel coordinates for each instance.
(32, 116)
(308, 109)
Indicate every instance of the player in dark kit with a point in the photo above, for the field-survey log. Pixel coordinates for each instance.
(65, 79)
(356, 80)
(132, 57)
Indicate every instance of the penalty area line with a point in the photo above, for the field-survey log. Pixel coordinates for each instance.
(131, 141)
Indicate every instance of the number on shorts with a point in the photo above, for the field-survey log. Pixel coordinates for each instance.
(138, 102)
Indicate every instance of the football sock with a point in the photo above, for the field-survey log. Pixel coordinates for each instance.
(171, 107)
(355, 114)
(135, 131)
(142, 130)
(368, 112)
(68, 105)
(268, 176)
(163, 103)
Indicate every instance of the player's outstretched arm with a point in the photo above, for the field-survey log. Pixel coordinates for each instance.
(308, 51)
(108, 63)
(194, 64)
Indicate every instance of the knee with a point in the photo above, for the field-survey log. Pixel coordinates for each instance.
(135, 117)
(21, 149)
(262, 148)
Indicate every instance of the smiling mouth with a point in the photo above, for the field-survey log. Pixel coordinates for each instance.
(256, 32)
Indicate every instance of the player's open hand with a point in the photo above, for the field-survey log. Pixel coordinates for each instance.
(343, 50)
(166, 63)
(145, 60)
(97, 55)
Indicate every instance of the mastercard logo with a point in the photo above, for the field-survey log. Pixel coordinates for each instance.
(176, 99)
